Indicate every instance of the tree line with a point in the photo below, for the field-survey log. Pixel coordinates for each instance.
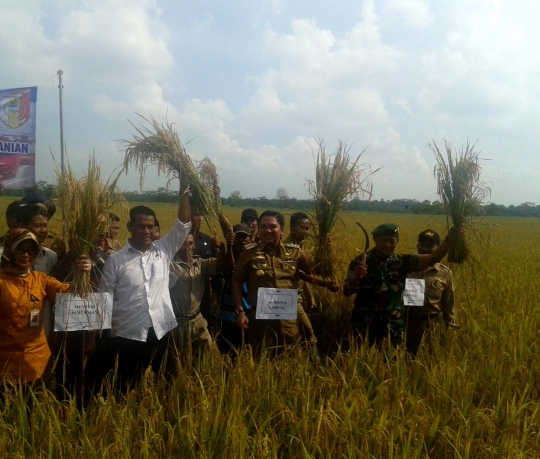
(283, 201)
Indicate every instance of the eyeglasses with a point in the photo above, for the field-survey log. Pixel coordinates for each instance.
(30, 251)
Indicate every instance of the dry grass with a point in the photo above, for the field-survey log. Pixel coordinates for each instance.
(338, 178)
(86, 202)
(158, 144)
(461, 191)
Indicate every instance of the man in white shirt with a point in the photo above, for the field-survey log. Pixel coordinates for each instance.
(138, 276)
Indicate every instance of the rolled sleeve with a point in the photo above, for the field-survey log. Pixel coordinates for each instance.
(173, 240)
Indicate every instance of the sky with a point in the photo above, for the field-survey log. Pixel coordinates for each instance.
(254, 85)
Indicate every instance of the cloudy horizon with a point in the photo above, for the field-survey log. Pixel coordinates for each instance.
(253, 85)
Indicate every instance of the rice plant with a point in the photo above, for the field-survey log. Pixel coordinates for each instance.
(338, 178)
(210, 178)
(462, 192)
(86, 202)
(158, 145)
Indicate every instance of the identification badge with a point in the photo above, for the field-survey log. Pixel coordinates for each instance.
(413, 295)
(34, 318)
(277, 303)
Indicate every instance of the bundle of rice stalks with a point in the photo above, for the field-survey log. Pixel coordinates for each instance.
(461, 192)
(338, 179)
(209, 177)
(86, 203)
(159, 145)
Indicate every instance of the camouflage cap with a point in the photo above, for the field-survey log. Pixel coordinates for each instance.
(429, 235)
(386, 229)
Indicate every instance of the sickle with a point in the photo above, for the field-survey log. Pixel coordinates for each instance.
(366, 247)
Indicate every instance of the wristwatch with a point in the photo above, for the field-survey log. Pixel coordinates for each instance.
(238, 311)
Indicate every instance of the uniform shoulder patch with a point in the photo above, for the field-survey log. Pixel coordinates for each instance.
(291, 245)
(444, 267)
(251, 246)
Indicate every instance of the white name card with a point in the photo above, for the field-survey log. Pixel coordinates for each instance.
(277, 303)
(73, 313)
(413, 295)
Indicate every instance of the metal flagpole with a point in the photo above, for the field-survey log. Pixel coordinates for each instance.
(62, 159)
(62, 153)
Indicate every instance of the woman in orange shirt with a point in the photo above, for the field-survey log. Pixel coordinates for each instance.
(24, 351)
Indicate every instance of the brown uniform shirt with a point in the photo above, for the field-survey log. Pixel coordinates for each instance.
(111, 246)
(188, 290)
(439, 294)
(259, 267)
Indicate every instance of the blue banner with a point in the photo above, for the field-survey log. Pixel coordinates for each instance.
(18, 137)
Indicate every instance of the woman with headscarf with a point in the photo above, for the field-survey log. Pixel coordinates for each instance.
(24, 351)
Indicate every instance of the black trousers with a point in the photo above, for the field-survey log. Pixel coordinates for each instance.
(134, 357)
(230, 338)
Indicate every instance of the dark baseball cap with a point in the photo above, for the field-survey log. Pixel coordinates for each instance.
(429, 235)
(241, 228)
(35, 199)
(386, 229)
(249, 214)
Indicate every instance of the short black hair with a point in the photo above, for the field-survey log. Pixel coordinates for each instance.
(11, 210)
(51, 208)
(114, 217)
(26, 212)
(140, 210)
(297, 218)
(272, 213)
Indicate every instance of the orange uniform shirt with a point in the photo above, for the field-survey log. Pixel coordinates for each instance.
(24, 351)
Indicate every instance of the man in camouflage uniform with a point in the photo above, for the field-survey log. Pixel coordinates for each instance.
(438, 297)
(378, 283)
(271, 264)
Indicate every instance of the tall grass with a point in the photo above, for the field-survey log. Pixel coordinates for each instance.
(157, 144)
(338, 178)
(86, 203)
(461, 191)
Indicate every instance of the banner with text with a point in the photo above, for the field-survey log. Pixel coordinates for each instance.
(18, 137)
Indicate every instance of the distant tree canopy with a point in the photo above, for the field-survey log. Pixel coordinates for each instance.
(282, 200)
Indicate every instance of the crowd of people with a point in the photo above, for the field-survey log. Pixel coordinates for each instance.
(167, 289)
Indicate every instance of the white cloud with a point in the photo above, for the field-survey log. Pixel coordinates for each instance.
(28, 56)
(415, 13)
(117, 42)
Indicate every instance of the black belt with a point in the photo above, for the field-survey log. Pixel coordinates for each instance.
(424, 317)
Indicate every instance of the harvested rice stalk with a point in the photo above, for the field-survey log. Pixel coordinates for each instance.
(461, 192)
(209, 176)
(338, 178)
(86, 203)
(159, 145)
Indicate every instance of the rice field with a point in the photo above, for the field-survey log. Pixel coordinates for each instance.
(473, 393)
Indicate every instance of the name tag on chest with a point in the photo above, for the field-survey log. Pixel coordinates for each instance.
(413, 295)
(277, 303)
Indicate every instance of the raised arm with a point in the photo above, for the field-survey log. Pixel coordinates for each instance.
(434, 257)
(220, 246)
(318, 281)
(230, 262)
(184, 209)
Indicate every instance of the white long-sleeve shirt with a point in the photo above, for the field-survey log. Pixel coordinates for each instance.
(140, 285)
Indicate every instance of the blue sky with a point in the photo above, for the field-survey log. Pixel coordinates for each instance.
(253, 84)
